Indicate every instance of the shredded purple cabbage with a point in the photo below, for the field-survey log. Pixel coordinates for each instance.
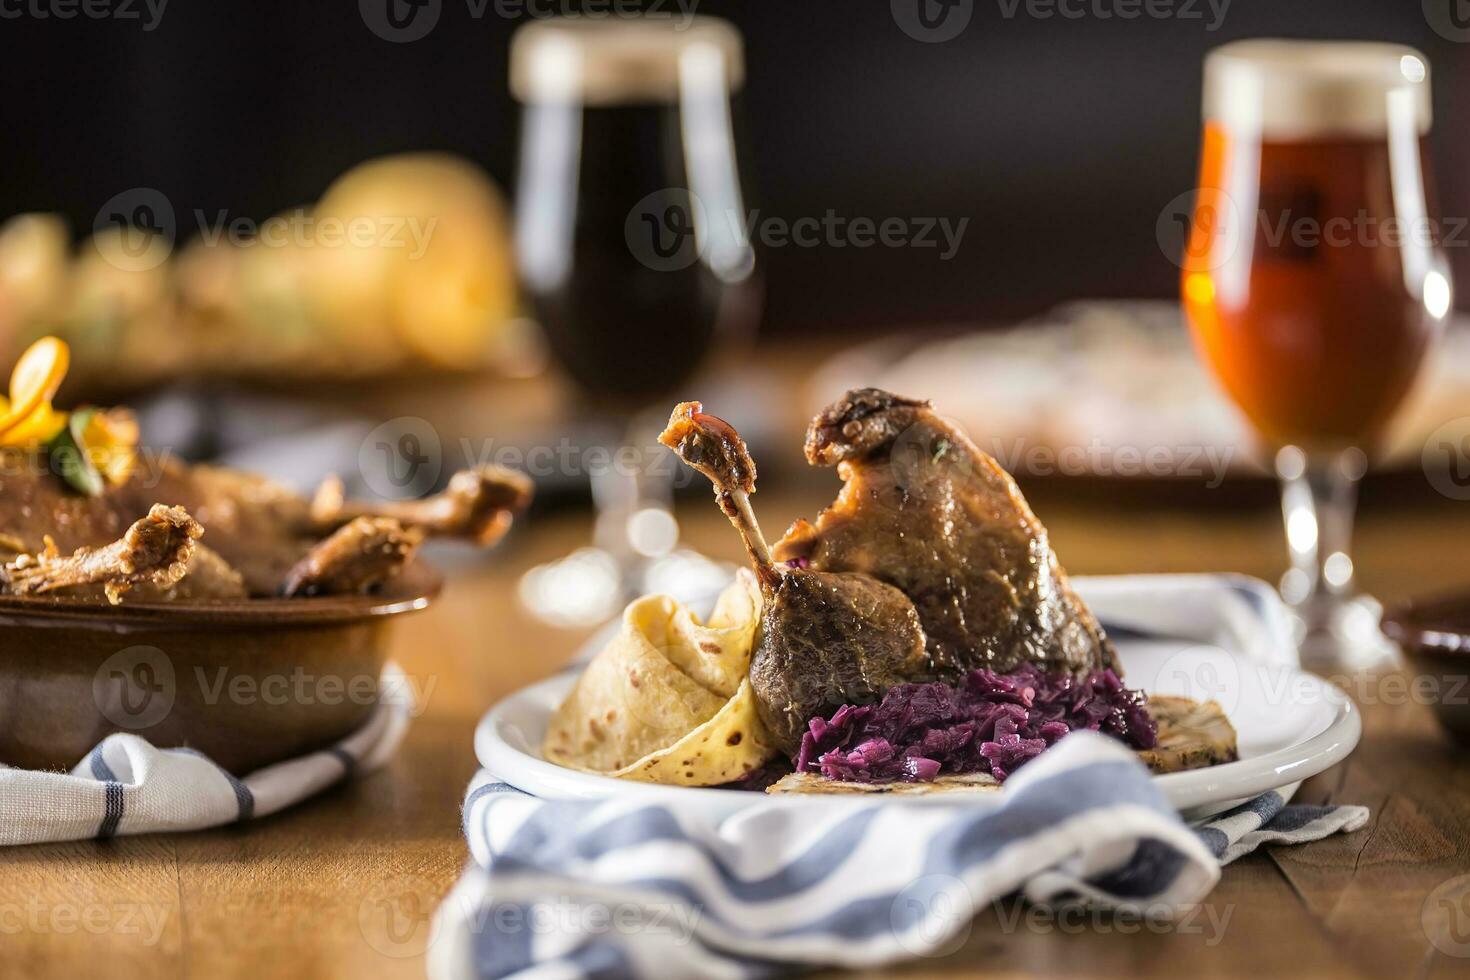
(992, 723)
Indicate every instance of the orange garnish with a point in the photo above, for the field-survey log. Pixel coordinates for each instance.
(34, 381)
(42, 426)
(109, 442)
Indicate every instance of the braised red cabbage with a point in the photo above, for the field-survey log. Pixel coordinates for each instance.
(992, 723)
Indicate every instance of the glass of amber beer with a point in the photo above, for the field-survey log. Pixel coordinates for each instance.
(1314, 284)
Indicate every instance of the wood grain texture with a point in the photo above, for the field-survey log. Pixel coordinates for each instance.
(342, 886)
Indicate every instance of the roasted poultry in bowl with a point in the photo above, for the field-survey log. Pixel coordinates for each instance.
(157, 581)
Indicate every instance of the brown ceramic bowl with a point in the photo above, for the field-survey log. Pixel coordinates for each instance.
(1435, 637)
(248, 682)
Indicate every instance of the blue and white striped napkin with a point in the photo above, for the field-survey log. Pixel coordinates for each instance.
(614, 888)
(128, 786)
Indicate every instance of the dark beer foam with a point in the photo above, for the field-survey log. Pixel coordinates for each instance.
(624, 61)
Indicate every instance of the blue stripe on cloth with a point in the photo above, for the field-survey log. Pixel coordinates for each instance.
(1216, 840)
(478, 794)
(349, 764)
(1117, 631)
(1294, 818)
(1253, 598)
(1265, 807)
(543, 834)
(244, 798)
(601, 961)
(113, 810)
(972, 840)
(1150, 871)
(502, 940)
(101, 771)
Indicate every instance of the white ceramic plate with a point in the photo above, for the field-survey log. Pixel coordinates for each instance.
(1291, 724)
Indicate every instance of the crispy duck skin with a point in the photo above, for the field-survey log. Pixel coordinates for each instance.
(358, 557)
(154, 551)
(824, 639)
(478, 505)
(925, 510)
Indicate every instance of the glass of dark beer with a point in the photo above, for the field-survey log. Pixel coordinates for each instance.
(631, 245)
(1314, 284)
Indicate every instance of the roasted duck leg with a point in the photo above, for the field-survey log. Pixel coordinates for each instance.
(923, 509)
(824, 639)
(153, 552)
(356, 558)
(478, 505)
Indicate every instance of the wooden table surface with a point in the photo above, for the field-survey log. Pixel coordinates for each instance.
(305, 893)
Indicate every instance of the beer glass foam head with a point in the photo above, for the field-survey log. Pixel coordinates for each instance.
(1307, 90)
(609, 61)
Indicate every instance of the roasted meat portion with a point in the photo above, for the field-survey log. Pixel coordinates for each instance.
(926, 511)
(825, 638)
(258, 532)
(155, 551)
(358, 557)
(478, 505)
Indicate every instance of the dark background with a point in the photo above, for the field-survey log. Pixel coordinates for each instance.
(1060, 139)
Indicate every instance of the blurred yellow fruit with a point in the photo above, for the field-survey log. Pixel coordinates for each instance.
(415, 250)
(274, 271)
(120, 273)
(120, 310)
(34, 258)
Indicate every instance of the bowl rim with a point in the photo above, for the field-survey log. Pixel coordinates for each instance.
(413, 590)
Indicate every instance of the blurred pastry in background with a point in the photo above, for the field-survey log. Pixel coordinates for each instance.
(403, 266)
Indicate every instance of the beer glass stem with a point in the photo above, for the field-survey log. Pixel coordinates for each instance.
(1318, 497)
